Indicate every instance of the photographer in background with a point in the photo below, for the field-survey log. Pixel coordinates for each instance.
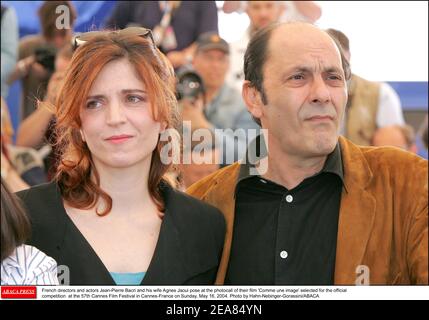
(37, 130)
(223, 107)
(37, 54)
(175, 24)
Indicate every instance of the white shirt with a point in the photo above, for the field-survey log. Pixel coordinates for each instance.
(28, 265)
(235, 76)
(389, 107)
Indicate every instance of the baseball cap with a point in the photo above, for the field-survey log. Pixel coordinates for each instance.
(210, 40)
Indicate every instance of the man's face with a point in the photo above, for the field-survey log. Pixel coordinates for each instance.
(263, 13)
(306, 91)
(60, 39)
(212, 65)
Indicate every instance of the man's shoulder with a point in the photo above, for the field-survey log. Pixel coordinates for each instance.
(223, 177)
(389, 165)
(392, 157)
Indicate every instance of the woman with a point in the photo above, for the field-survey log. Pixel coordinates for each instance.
(21, 264)
(110, 217)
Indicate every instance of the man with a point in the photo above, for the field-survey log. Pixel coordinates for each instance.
(37, 53)
(261, 14)
(176, 25)
(307, 11)
(370, 106)
(325, 211)
(224, 107)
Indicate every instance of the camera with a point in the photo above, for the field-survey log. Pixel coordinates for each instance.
(189, 85)
(45, 55)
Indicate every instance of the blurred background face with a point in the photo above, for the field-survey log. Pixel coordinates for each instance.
(306, 90)
(61, 63)
(117, 121)
(393, 136)
(60, 39)
(262, 13)
(194, 172)
(212, 66)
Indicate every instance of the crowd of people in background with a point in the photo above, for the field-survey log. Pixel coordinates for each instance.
(186, 33)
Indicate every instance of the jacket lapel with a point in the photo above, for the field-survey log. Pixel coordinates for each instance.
(221, 195)
(167, 265)
(66, 238)
(357, 213)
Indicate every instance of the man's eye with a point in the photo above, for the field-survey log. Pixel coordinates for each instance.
(334, 77)
(297, 77)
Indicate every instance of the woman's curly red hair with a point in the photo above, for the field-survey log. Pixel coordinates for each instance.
(76, 174)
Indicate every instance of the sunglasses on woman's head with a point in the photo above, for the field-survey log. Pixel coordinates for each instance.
(130, 31)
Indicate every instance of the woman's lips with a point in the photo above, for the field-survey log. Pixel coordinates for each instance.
(119, 139)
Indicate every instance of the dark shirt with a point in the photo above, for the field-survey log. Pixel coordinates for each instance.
(286, 237)
(187, 252)
(190, 20)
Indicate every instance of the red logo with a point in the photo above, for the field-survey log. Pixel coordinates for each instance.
(18, 292)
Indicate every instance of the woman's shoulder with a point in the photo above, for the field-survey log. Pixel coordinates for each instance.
(41, 195)
(190, 207)
(38, 190)
(28, 265)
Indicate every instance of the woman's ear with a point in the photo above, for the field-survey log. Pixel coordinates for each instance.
(82, 135)
(253, 100)
(163, 126)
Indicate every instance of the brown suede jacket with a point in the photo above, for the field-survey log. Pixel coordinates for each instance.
(383, 221)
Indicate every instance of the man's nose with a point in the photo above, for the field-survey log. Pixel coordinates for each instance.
(320, 93)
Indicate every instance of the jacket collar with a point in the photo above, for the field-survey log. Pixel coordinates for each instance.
(357, 213)
(257, 151)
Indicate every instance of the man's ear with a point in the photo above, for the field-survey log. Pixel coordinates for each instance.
(252, 98)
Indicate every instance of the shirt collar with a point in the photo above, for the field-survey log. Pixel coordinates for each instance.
(257, 150)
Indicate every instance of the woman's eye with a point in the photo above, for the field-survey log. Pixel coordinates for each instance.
(134, 99)
(93, 104)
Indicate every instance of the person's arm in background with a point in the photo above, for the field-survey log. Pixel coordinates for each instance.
(309, 9)
(389, 107)
(120, 16)
(32, 129)
(9, 174)
(207, 21)
(9, 47)
(27, 61)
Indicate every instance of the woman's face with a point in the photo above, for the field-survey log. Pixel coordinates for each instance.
(117, 121)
